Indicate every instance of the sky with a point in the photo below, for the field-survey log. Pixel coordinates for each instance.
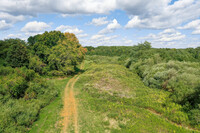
(164, 23)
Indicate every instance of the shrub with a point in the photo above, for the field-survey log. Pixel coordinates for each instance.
(17, 86)
(17, 55)
(194, 116)
(55, 73)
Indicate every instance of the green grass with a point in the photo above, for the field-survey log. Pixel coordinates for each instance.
(49, 117)
(113, 99)
(110, 98)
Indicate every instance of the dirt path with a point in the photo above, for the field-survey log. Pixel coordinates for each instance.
(70, 112)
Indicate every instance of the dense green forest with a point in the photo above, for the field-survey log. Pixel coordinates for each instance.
(176, 71)
(24, 91)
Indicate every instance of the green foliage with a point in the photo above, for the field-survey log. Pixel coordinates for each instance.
(17, 54)
(16, 86)
(55, 53)
(5, 45)
(195, 116)
(173, 70)
(22, 94)
(114, 99)
(36, 64)
(41, 44)
(89, 48)
(109, 50)
(50, 115)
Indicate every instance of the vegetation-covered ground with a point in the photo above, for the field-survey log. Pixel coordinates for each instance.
(176, 71)
(121, 89)
(114, 99)
(49, 118)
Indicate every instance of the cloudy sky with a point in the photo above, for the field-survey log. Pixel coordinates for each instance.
(164, 23)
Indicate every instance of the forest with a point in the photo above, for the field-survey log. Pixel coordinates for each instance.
(118, 88)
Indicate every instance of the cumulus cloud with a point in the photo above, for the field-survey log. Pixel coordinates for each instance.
(71, 29)
(111, 27)
(191, 25)
(99, 21)
(166, 38)
(11, 18)
(82, 35)
(167, 35)
(35, 27)
(14, 36)
(194, 25)
(4, 25)
(96, 37)
(32, 7)
(100, 37)
(102, 40)
(156, 14)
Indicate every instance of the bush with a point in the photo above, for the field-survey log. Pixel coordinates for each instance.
(36, 64)
(6, 71)
(195, 116)
(56, 73)
(17, 86)
(17, 55)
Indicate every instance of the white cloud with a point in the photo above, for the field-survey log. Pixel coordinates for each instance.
(14, 36)
(11, 18)
(195, 25)
(33, 7)
(166, 38)
(196, 31)
(71, 29)
(74, 30)
(128, 41)
(191, 25)
(35, 27)
(111, 27)
(82, 35)
(99, 21)
(134, 22)
(98, 36)
(102, 40)
(4, 25)
(157, 14)
(167, 35)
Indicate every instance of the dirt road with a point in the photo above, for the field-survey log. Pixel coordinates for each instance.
(70, 113)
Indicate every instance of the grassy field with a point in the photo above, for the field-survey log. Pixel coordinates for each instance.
(49, 117)
(113, 99)
(110, 99)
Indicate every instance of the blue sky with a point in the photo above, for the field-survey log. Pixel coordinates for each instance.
(164, 23)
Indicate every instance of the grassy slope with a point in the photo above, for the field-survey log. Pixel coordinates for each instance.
(113, 99)
(49, 117)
